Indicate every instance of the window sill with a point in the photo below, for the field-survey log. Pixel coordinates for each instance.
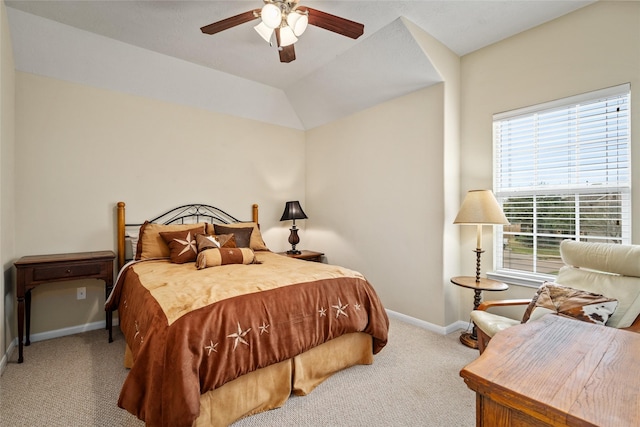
(523, 279)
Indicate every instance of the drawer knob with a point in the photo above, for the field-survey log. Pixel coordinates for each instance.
(69, 271)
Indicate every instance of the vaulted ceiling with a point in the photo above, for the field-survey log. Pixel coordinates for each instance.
(332, 76)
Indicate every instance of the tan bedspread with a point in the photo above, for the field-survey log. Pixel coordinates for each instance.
(192, 330)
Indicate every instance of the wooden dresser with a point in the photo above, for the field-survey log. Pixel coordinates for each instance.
(557, 372)
(35, 270)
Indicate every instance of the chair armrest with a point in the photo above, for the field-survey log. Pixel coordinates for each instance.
(635, 326)
(503, 303)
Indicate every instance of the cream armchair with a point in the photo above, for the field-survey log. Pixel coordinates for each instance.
(608, 269)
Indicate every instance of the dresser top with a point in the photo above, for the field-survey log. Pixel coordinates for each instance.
(68, 257)
(574, 372)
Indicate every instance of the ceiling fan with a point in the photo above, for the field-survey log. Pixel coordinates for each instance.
(287, 21)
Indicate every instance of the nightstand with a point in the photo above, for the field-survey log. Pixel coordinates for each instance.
(305, 255)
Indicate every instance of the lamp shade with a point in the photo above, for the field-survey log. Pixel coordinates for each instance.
(480, 207)
(271, 15)
(287, 37)
(293, 211)
(298, 22)
(264, 31)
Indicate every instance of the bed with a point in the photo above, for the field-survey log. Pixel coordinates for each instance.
(218, 327)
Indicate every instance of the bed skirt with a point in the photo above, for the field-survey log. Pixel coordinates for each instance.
(270, 387)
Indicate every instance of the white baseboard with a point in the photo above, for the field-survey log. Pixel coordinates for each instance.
(442, 330)
(5, 357)
(57, 333)
(456, 326)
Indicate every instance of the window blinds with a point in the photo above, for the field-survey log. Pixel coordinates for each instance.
(562, 170)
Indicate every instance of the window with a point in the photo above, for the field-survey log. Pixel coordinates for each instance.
(562, 171)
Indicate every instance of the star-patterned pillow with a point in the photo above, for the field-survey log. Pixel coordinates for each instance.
(242, 234)
(205, 242)
(182, 245)
(150, 243)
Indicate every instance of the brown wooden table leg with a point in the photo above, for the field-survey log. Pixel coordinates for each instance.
(27, 296)
(20, 329)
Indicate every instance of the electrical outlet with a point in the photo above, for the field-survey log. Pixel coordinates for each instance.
(81, 293)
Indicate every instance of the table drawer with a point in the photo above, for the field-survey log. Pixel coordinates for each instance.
(66, 271)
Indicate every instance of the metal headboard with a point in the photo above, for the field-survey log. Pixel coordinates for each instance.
(185, 214)
(193, 213)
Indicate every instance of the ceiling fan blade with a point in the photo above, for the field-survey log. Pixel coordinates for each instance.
(287, 53)
(334, 23)
(225, 24)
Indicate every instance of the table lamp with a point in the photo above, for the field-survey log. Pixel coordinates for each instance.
(293, 211)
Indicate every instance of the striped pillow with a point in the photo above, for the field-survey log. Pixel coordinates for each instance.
(223, 256)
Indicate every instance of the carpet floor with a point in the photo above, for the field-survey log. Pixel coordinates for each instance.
(414, 381)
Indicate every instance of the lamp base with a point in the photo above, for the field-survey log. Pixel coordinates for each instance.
(293, 240)
(469, 340)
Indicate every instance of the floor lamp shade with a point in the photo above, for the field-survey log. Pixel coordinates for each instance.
(293, 211)
(480, 207)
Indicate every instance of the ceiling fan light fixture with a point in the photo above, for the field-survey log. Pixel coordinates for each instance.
(265, 32)
(298, 22)
(271, 15)
(287, 37)
(287, 21)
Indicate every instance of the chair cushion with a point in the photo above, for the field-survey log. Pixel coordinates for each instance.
(576, 303)
(622, 288)
(491, 323)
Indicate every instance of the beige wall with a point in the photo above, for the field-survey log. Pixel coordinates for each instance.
(80, 150)
(448, 65)
(369, 189)
(381, 187)
(7, 137)
(593, 48)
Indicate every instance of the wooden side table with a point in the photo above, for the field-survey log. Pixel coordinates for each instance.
(305, 255)
(471, 339)
(555, 371)
(38, 269)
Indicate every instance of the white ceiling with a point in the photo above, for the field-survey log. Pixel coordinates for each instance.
(338, 74)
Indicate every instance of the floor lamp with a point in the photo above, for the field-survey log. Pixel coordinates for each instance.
(479, 208)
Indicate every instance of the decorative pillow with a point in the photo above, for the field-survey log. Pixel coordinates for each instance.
(256, 242)
(242, 234)
(216, 257)
(581, 305)
(152, 245)
(182, 245)
(212, 242)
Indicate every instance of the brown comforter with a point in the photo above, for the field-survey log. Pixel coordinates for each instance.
(192, 330)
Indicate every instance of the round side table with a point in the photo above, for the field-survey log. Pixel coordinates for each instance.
(470, 339)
